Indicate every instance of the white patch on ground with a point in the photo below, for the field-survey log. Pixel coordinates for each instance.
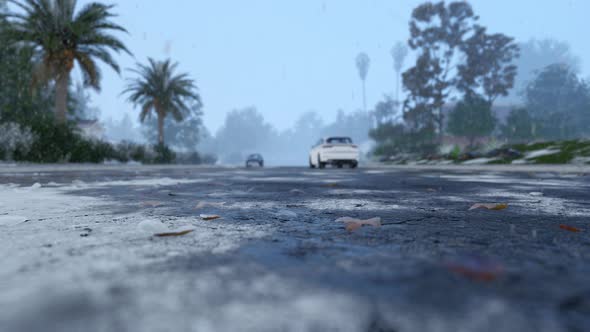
(580, 161)
(11, 220)
(377, 171)
(286, 179)
(313, 173)
(152, 226)
(479, 161)
(151, 182)
(541, 153)
(70, 240)
(349, 205)
(538, 204)
(232, 193)
(361, 192)
(285, 213)
(483, 178)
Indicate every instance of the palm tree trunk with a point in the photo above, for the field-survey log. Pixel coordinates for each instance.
(160, 129)
(364, 98)
(61, 97)
(397, 86)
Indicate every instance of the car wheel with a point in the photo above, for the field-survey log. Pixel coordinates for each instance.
(261, 164)
(320, 163)
(354, 165)
(311, 165)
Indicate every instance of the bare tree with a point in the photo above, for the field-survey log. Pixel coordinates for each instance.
(362, 64)
(399, 52)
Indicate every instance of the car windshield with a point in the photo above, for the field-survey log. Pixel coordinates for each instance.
(255, 156)
(339, 140)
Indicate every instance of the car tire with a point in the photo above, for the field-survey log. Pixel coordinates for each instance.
(261, 164)
(320, 163)
(311, 165)
(354, 165)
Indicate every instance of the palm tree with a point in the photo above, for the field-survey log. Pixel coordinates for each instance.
(158, 89)
(362, 64)
(399, 52)
(62, 37)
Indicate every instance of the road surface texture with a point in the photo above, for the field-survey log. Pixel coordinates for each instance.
(79, 252)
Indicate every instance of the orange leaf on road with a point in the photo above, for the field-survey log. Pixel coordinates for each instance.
(489, 206)
(179, 233)
(570, 228)
(208, 217)
(476, 268)
(353, 224)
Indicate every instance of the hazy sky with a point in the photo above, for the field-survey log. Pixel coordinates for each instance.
(288, 57)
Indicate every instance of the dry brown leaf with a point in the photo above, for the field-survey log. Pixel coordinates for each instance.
(570, 228)
(476, 268)
(208, 217)
(179, 233)
(152, 203)
(353, 224)
(489, 206)
(202, 205)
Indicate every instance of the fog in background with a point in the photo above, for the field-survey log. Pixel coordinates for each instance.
(276, 76)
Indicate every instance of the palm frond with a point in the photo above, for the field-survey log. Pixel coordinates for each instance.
(157, 88)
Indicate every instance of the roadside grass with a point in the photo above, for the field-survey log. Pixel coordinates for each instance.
(548, 152)
(566, 151)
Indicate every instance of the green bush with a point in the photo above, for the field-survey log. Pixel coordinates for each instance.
(52, 142)
(164, 155)
(394, 139)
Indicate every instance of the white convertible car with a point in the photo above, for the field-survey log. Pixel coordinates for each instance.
(336, 151)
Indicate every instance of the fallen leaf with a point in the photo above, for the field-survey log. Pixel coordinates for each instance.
(489, 206)
(476, 268)
(201, 205)
(208, 217)
(570, 228)
(178, 233)
(353, 224)
(152, 203)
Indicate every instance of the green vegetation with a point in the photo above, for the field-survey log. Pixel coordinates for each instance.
(41, 43)
(554, 106)
(472, 118)
(62, 36)
(159, 90)
(566, 151)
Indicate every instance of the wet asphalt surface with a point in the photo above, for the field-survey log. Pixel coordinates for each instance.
(278, 261)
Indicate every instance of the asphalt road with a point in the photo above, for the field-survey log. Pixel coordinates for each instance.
(79, 252)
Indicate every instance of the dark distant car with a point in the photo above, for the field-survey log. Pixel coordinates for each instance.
(254, 159)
